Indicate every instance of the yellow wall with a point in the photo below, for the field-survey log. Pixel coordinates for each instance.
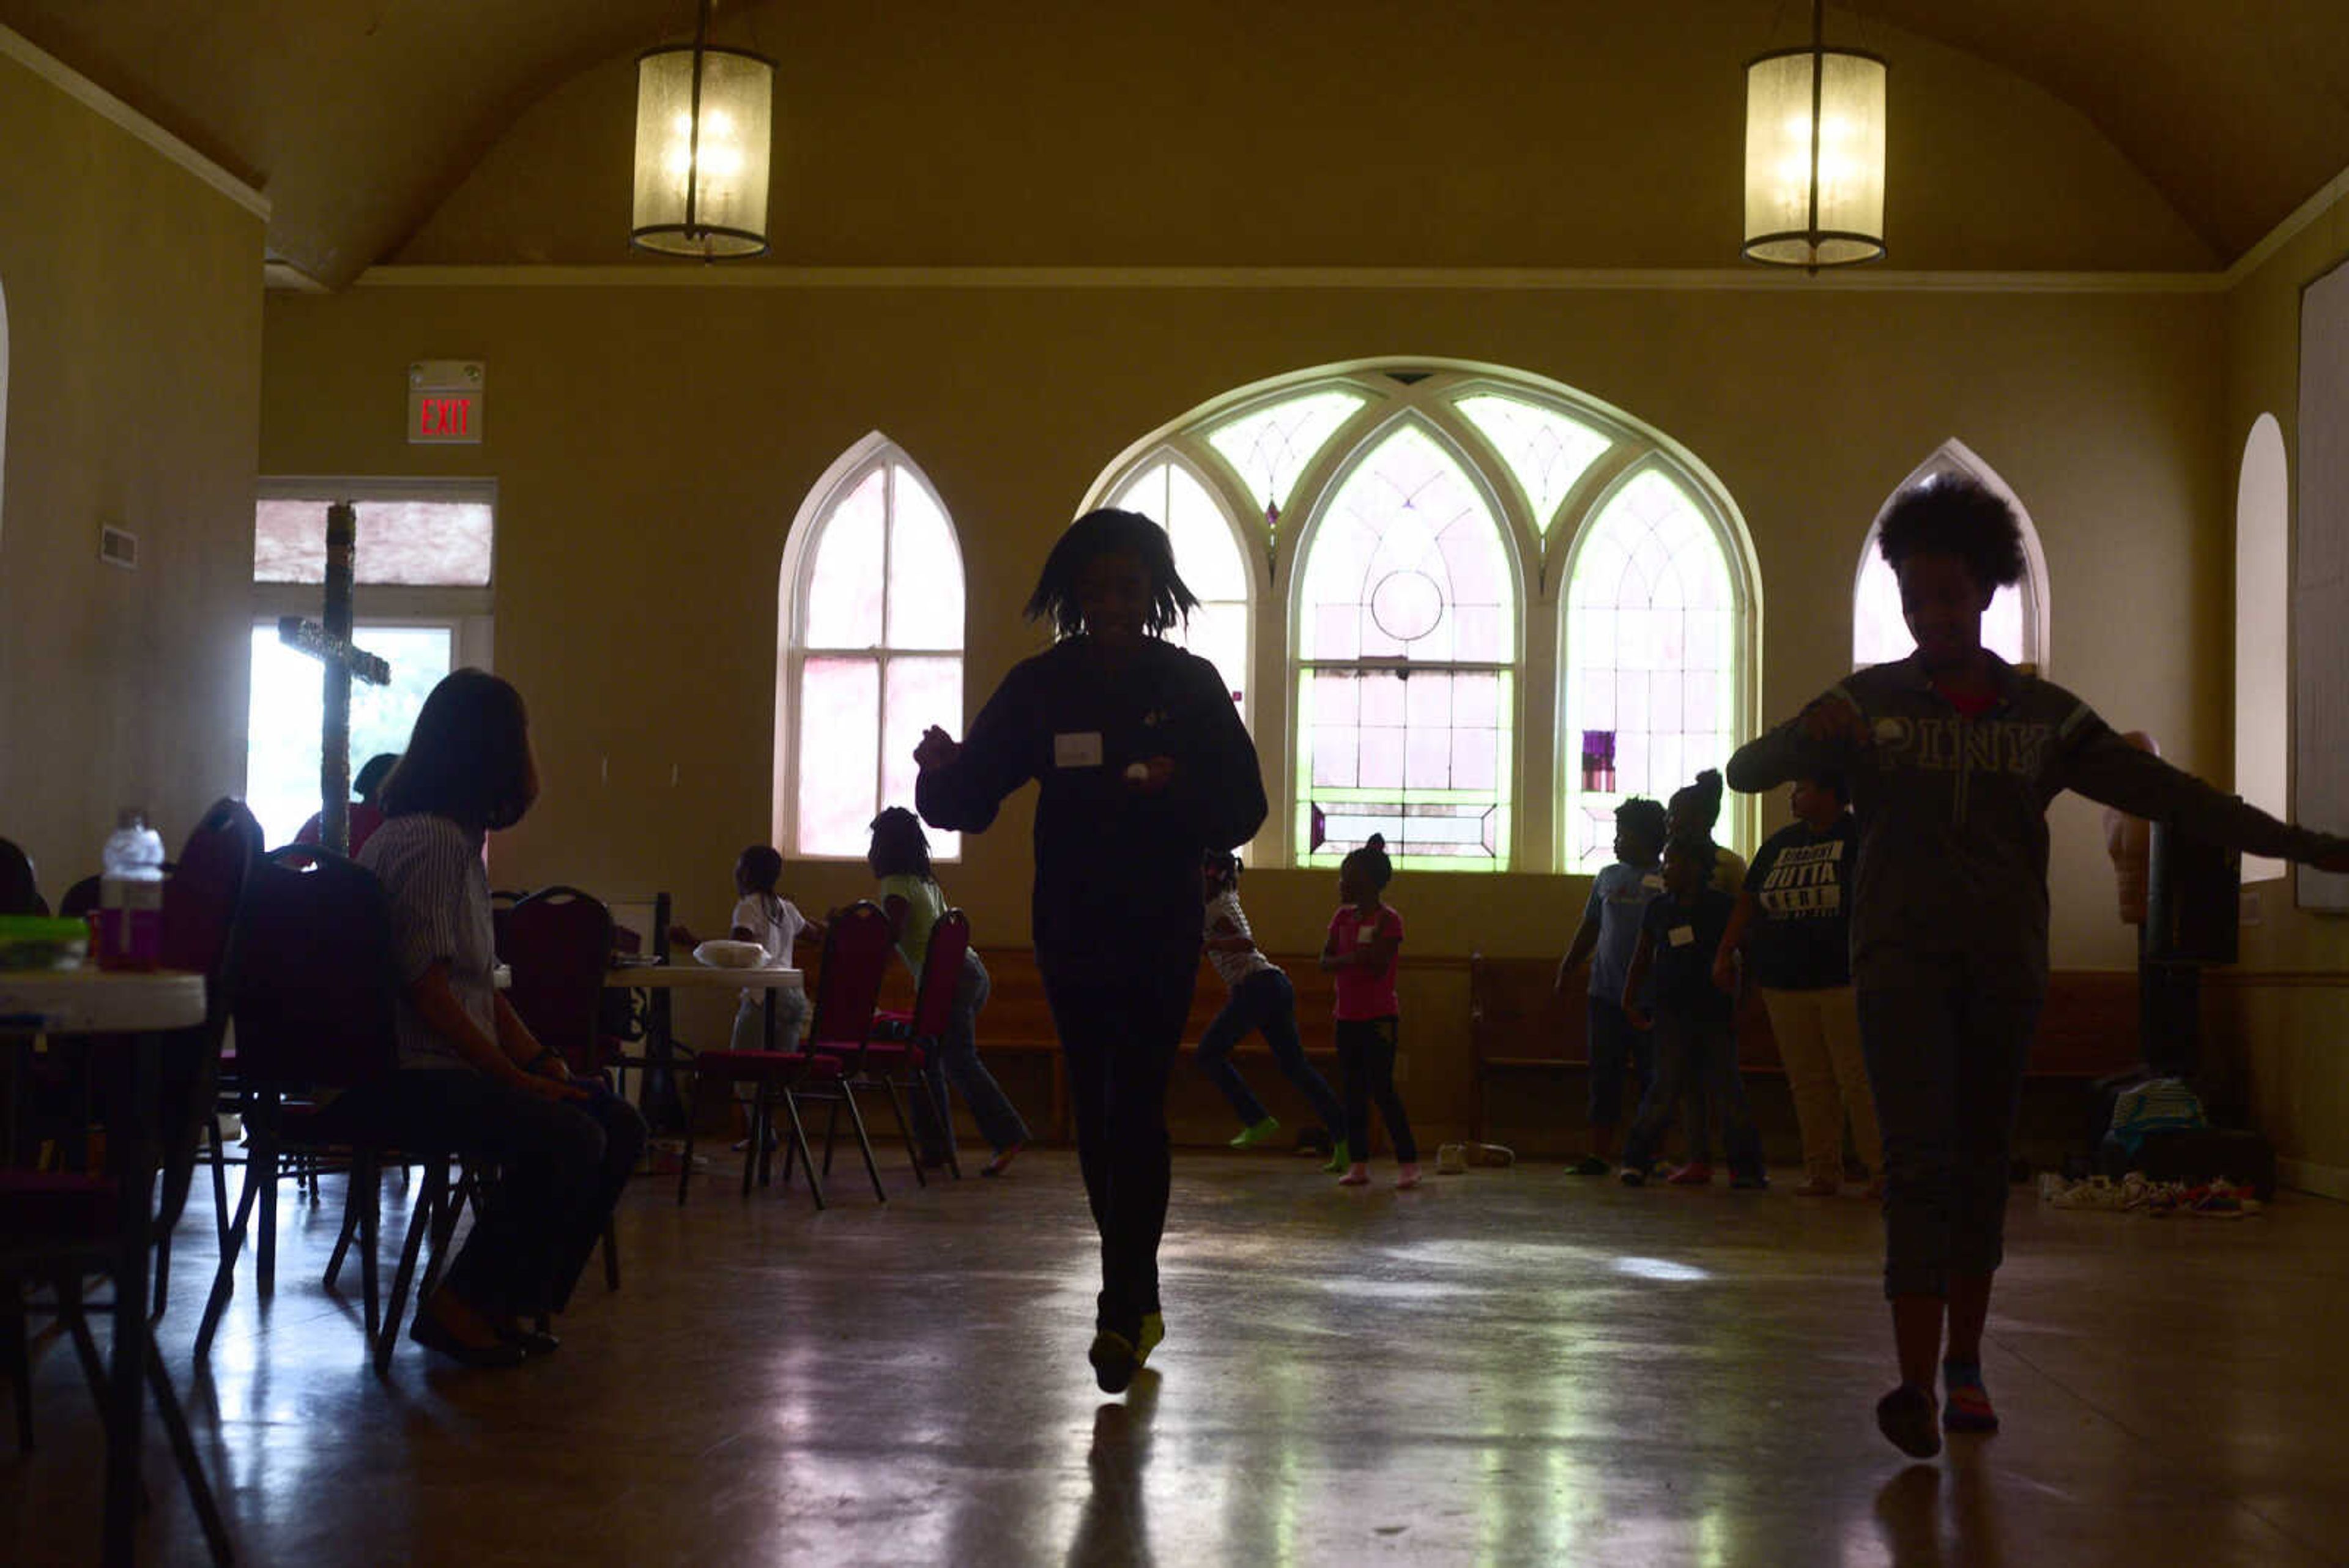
(2285, 1009)
(652, 444)
(134, 322)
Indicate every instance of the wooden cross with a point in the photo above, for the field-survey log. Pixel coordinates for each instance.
(330, 644)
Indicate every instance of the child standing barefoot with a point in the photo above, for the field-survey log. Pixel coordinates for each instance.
(1364, 937)
(1143, 766)
(1261, 1000)
(1952, 757)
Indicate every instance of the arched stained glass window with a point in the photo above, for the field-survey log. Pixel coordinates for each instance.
(1209, 556)
(1651, 629)
(1377, 505)
(872, 616)
(1407, 647)
(1270, 446)
(1546, 450)
(2015, 625)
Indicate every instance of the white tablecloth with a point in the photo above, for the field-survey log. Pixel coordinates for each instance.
(90, 1000)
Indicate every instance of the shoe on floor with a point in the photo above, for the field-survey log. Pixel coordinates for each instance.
(1154, 1333)
(1340, 1157)
(1695, 1173)
(1496, 1155)
(1969, 1407)
(1256, 1133)
(1114, 1361)
(1632, 1176)
(1749, 1182)
(1452, 1160)
(428, 1331)
(1905, 1416)
(1002, 1160)
(1589, 1165)
(1815, 1188)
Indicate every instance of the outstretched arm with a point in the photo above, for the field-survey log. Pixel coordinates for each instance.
(2098, 764)
(961, 786)
(1821, 739)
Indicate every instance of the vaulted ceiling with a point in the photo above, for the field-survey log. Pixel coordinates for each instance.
(358, 117)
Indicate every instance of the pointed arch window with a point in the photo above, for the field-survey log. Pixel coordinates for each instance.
(2014, 628)
(2262, 632)
(1653, 633)
(873, 616)
(1407, 653)
(1208, 553)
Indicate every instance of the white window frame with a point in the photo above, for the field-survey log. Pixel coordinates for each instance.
(1426, 388)
(838, 482)
(2263, 632)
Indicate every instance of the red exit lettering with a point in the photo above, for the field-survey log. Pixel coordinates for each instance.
(444, 416)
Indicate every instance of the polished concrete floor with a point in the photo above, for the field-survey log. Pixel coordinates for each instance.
(1509, 1367)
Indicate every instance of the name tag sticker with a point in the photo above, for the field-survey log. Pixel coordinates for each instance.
(1681, 936)
(1366, 933)
(1077, 749)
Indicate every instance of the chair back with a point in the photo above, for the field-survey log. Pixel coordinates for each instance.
(20, 890)
(318, 994)
(857, 943)
(81, 899)
(558, 943)
(941, 974)
(202, 907)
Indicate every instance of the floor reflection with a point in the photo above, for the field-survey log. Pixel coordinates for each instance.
(1113, 1529)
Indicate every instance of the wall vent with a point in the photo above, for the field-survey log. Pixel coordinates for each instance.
(117, 548)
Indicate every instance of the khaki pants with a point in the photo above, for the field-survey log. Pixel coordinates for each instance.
(1818, 1041)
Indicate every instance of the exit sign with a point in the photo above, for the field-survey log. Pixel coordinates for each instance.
(445, 402)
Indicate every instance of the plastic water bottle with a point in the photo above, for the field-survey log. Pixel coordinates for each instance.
(131, 896)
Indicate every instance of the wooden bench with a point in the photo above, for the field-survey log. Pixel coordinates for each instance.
(1520, 1027)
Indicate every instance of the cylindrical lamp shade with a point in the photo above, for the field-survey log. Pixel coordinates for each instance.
(701, 189)
(1814, 200)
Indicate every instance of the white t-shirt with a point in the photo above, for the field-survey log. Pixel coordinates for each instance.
(1224, 918)
(774, 924)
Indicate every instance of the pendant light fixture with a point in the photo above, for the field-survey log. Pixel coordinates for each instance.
(1814, 155)
(705, 123)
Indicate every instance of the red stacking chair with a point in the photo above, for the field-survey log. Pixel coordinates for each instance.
(856, 945)
(558, 944)
(60, 1228)
(316, 1009)
(896, 1065)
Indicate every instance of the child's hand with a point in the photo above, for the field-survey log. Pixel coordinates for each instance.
(1834, 720)
(678, 937)
(1564, 973)
(1156, 772)
(936, 750)
(1724, 971)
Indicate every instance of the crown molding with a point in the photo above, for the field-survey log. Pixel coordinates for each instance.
(1665, 280)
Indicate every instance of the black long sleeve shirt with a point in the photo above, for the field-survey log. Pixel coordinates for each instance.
(1117, 870)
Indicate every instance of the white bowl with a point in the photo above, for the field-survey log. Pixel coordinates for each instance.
(731, 955)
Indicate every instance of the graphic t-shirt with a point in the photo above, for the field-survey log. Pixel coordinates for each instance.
(1681, 941)
(1619, 897)
(1364, 993)
(1801, 882)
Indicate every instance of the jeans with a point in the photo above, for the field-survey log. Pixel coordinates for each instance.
(1615, 1047)
(1366, 1049)
(1265, 1002)
(1946, 1064)
(561, 1167)
(953, 1058)
(1818, 1041)
(750, 1020)
(1695, 1052)
(1119, 1029)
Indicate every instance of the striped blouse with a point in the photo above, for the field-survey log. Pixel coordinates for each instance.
(432, 872)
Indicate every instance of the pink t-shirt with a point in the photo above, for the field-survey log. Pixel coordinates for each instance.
(1364, 993)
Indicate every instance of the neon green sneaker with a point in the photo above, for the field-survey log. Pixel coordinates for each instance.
(1257, 1133)
(1338, 1159)
(1154, 1330)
